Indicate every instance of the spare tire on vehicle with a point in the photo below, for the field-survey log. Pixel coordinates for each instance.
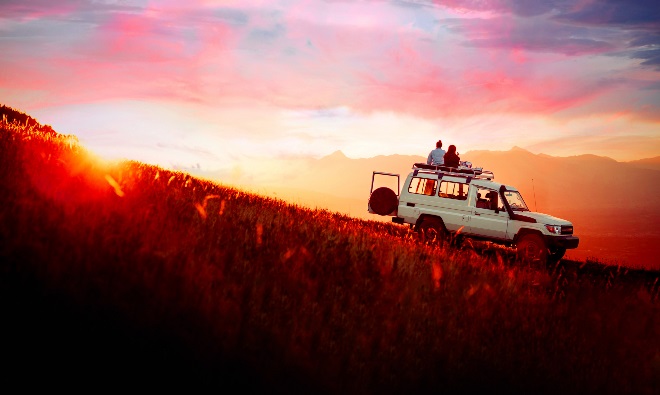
(383, 201)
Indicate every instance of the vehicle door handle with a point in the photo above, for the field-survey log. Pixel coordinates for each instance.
(410, 204)
(476, 213)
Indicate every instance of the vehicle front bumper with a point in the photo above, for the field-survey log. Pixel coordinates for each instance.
(567, 242)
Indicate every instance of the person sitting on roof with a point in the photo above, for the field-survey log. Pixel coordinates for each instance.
(436, 156)
(451, 158)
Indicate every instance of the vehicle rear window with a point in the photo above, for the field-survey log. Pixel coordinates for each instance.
(422, 186)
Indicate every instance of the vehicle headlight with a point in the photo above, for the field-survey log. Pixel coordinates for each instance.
(556, 229)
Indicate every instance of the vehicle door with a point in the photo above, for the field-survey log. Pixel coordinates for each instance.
(489, 218)
(452, 205)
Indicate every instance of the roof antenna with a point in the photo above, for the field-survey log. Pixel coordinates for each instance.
(535, 209)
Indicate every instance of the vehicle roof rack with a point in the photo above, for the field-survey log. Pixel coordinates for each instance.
(461, 171)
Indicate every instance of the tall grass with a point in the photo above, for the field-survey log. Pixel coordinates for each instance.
(119, 273)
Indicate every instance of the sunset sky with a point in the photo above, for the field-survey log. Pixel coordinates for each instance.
(213, 84)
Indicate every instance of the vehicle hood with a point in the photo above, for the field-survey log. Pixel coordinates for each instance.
(544, 218)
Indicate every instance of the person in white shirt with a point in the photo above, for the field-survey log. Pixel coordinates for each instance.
(436, 156)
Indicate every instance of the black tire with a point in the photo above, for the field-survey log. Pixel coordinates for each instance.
(432, 230)
(531, 248)
(383, 201)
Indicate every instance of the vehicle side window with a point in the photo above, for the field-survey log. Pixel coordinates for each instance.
(453, 190)
(488, 199)
(422, 186)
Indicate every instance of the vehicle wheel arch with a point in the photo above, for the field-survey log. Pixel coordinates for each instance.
(432, 228)
(424, 217)
(525, 231)
(531, 246)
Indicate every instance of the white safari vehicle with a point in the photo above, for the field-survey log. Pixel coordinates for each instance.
(439, 202)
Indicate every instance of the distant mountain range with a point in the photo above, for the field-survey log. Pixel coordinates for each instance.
(649, 163)
(547, 183)
(575, 182)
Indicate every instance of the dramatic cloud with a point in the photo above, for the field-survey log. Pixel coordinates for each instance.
(259, 78)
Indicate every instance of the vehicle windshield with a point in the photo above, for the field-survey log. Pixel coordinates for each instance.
(515, 200)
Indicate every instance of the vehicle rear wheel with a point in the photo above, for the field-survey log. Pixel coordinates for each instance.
(432, 230)
(531, 248)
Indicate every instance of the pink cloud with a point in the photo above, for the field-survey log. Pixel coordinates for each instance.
(306, 58)
(539, 35)
(517, 7)
(131, 37)
(128, 55)
(38, 9)
(401, 77)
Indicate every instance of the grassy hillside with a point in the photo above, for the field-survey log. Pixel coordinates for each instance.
(132, 276)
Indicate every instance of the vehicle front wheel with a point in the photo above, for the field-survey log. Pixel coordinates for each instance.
(432, 230)
(531, 248)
